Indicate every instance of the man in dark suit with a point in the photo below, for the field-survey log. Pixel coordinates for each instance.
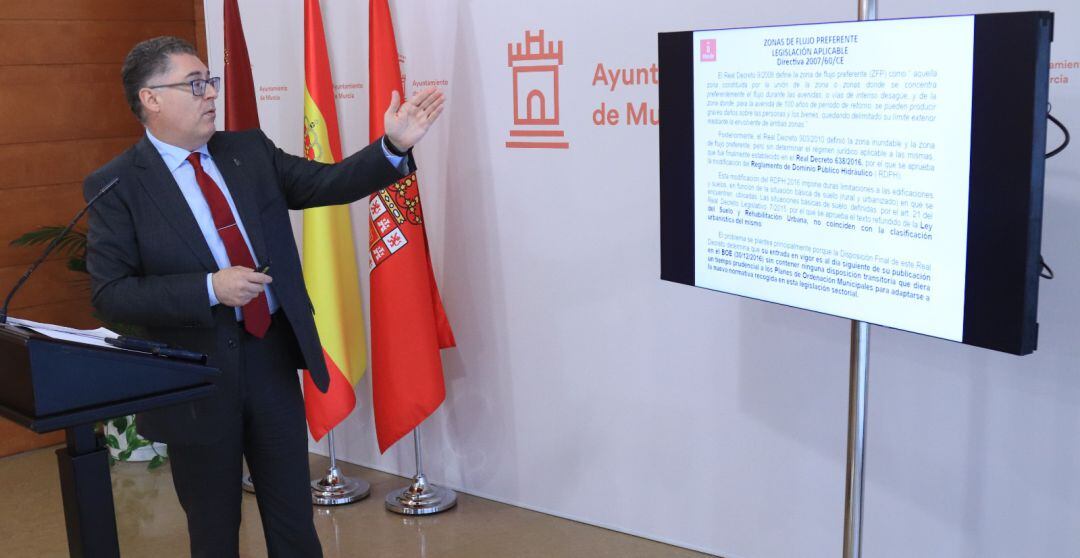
(174, 248)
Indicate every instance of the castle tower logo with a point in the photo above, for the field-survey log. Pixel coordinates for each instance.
(535, 65)
(708, 50)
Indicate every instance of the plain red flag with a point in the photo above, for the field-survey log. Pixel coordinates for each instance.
(241, 113)
(408, 323)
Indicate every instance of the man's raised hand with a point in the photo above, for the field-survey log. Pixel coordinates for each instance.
(405, 123)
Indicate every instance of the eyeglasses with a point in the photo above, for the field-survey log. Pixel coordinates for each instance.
(198, 86)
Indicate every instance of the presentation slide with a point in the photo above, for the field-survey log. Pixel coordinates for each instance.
(831, 168)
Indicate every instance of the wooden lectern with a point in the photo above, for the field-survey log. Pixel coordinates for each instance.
(48, 384)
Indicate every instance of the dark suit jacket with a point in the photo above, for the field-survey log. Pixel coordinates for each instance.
(148, 260)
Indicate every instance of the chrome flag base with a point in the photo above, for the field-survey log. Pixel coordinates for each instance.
(336, 489)
(421, 498)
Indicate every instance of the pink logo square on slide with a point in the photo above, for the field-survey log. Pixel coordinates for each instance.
(708, 50)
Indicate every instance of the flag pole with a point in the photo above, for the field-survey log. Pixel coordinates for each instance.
(335, 489)
(859, 374)
(421, 497)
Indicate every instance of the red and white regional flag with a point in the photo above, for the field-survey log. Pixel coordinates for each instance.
(408, 323)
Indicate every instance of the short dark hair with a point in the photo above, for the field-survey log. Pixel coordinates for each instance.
(146, 60)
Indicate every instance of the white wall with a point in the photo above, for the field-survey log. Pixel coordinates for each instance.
(584, 386)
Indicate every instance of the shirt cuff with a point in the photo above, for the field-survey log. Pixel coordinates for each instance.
(210, 289)
(397, 161)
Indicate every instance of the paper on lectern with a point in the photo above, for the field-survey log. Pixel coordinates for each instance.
(94, 337)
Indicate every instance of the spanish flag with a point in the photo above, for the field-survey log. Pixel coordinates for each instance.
(408, 323)
(330, 268)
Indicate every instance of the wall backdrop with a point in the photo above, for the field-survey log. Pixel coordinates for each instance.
(585, 387)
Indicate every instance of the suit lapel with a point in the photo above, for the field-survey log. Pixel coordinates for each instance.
(160, 184)
(241, 186)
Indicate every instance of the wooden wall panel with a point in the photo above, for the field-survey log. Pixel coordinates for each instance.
(65, 42)
(66, 102)
(64, 116)
(36, 206)
(52, 282)
(57, 162)
(100, 10)
(72, 313)
(16, 439)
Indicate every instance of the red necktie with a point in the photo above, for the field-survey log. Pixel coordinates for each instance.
(257, 312)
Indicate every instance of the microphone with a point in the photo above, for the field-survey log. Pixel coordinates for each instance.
(33, 266)
(180, 354)
(155, 348)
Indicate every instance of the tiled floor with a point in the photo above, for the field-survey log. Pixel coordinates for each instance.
(150, 522)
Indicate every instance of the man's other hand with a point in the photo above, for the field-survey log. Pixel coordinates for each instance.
(405, 123)
(236, 286)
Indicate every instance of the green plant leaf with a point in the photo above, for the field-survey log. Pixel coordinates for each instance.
(156, 462)
(112, 441)
(42, 234)
(72, 243)
(131, 436)
(140, 443)
(120, 423)
(67, 244)
(125, 455)
(112, 460)
(77, 264)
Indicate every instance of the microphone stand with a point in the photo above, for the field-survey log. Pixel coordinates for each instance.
(52, 245)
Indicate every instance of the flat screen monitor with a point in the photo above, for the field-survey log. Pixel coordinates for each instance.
(886, 171)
